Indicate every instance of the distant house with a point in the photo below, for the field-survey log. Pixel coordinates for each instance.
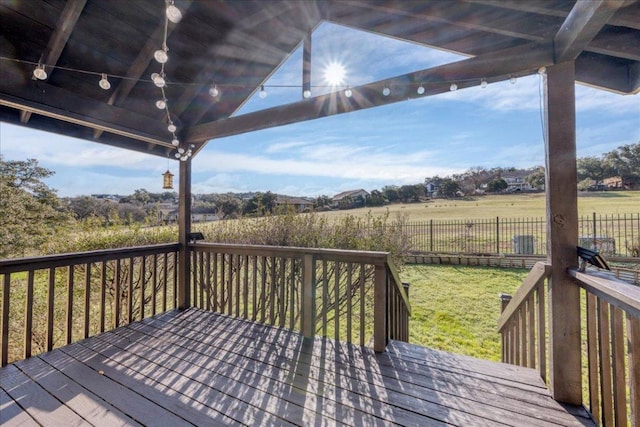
(431, 188)
(204, 213)
(613, 182)
(353, 194)
(516, 181)
(298, 203)
(109, 197)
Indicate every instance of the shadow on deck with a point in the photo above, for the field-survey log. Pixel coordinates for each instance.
(199, 368)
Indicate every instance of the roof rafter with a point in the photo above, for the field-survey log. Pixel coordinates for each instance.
(496, 66)
(582, 24)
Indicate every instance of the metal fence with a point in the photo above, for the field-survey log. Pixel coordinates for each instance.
(617, 235)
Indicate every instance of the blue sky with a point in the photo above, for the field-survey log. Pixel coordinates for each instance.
(398, 144)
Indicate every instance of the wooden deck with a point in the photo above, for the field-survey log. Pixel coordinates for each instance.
(199, 368)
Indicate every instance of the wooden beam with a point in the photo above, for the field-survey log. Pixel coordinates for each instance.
(306, 65)
(58, 103)
(618, 42)
(494, 67)
(597, 70)
(64, 28)
(562, 229)
(25, 116)
(583, 23)
(184, 228)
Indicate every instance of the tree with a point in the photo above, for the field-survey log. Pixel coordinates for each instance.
(376, 198)
(593, 168)
(497, 185)
(449, 188)
(30, 211)
(391, 193)
(625, 161)
(229, 207)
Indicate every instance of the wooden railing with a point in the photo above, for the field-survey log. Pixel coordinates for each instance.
(348, 295)
(523, 323)
(611, 340)
(54, 300)
(612, 348)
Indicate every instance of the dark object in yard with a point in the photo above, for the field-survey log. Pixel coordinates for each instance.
(195, 236)
(591, 257)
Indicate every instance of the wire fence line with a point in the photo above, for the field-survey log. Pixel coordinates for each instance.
(612, 235)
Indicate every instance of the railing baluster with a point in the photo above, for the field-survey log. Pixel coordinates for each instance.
(592, 356)
(130, 289)
(362, 303)
(28, 315)
(103, 288)
(51, 290)
(254, 285)
(238, 269)
(6, 294)
(325, 299)
(87, 299)
(336, 291)
(154, 283)
(532, 331)
(617, 357)
(116, 292)
(633, 331)
(349, 287)
(141, 282)
(207, 285)
(263, 290)
(605, 363)
(245, 289)
(216, 281)
(69, 326)
(542, 332)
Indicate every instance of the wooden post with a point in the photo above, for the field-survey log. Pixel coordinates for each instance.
(504, 301)
(380, 309)
(306, 66)
(184, 228)
(562, 229)
(308, 296)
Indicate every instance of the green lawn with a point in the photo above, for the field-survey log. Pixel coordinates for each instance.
(456, 308)
(505, 206)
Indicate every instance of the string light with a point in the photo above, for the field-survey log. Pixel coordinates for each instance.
(420, 90)
(158, 80)
(39, 73)
(171, 128)
(263, 93)
(214, 91)
(161, 104)
(542, 70)
(175, 142)
(160, 55)
(173, 13)
(453, 87)
(306, 94)
(104, 83)
(512, 80)
(483, 83)
(348, 92)
(386, 91)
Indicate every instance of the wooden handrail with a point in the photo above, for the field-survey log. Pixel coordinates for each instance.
(539, 272)
(13, 265)
(393, 271)
(610, 289)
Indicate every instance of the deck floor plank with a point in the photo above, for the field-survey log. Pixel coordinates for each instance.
(11, 414)
(79, 399)
(502, 393)
(36, 401)
(195, 367)
(400, 396)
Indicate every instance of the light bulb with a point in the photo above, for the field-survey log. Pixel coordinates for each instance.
(213, 91)
(483, 83)
(263, 93)
(512, 80)
(453, 87)
(161, 56)
(348, 93)
(177, 155)
(175, 142)
(158, 80)
(306, 94)
(184, 158)
(161, 104)
(173, 13)
(39, 73)
(386, 91)
(181, 150)
(171, 127)
(104, 83)
(420, 90)
(542, 70)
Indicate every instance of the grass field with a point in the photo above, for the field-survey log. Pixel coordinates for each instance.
(456, 308)
(504, 206)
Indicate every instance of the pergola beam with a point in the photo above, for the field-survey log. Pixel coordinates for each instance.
(582, 24)
(64, 28)
(496, 66)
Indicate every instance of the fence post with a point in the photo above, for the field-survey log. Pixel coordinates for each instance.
(380, 309)
(497, 234)
(431, 235)
(308, 296)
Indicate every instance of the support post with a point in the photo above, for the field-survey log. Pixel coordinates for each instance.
(306, 66)
(308, 296)
(562, 229)
(380, 309)
(184, 228)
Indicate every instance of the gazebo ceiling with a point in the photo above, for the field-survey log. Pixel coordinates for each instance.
(237, 45)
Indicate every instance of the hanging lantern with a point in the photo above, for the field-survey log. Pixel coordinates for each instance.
(167, 180)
